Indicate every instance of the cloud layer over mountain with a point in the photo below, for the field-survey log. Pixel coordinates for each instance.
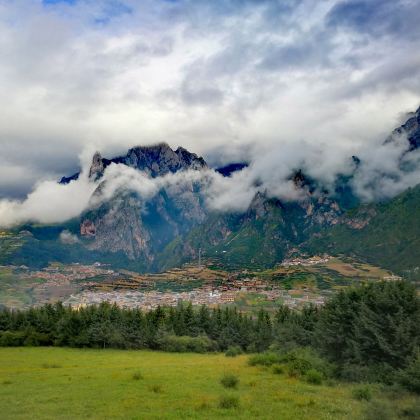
(385, 170)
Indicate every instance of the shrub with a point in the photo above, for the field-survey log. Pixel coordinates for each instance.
(203, 404)
(182, 344)
(229, 380)
(298, 367)
(330, 382)
(34, 338)
(51, 366)
(348, 329)
(12, 338)
(382, 372)
(233, 351)
(302, 360)
(409, 378)
(228, 401)
(314, 377)
(137, 376)
(264, 359)
(379, 410)
(393, 392)
(362, 393)
(412, 411)
(156, 388)
(278, 369)
(354, 373)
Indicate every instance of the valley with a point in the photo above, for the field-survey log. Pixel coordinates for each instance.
(294, 283)
(210, 210)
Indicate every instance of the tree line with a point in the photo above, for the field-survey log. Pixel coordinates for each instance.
(366, 331)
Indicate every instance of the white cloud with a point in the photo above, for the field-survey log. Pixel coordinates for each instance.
(386, 170)
(49, 202)
(66, 237)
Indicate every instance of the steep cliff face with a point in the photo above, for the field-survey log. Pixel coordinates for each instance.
(141, 228)
(411, 128)
(386, 234)
(267, 232)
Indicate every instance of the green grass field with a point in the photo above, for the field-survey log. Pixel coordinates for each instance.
(57, 383)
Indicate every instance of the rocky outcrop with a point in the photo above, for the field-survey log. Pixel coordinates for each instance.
(360, 219)
(411, 129)
(231, 168)
(97, 168)
(119, 228)
(87, 228)
(156, 160)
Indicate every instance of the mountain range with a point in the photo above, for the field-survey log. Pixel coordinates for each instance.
(166, 228)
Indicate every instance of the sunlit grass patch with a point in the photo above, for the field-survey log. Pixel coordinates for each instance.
(100, 384)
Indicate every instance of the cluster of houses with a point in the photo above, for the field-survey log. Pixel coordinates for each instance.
(149, 300)
(305, 262)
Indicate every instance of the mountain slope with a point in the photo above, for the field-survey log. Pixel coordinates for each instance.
(264, 235)
(141, 228)
(411, 129)
(385, 234)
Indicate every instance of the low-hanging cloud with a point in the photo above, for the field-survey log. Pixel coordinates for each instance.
(49, 202)
(386, 169)
(68, 238)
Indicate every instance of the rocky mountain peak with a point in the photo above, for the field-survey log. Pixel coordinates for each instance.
(259, 205)
(411, 128)
(156, 160)
(160, 159)
(97, 167)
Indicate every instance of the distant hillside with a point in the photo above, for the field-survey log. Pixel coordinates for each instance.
(385, 234)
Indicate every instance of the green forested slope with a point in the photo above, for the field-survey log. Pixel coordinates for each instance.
(391, 238)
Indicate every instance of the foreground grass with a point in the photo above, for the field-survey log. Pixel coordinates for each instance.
(58, 383)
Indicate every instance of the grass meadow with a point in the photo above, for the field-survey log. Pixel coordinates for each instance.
(60, 383)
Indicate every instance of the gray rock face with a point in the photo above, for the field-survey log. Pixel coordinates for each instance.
(118, 226)
(97, 168)
(141, 229)
(411, 129)
(156, 160)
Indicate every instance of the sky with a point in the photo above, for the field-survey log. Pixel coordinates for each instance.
(281, 81)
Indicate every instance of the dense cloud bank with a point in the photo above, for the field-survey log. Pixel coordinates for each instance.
(383, 171)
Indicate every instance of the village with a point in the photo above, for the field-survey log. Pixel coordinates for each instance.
(79, 285)
(306, 262)
(201, 296)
